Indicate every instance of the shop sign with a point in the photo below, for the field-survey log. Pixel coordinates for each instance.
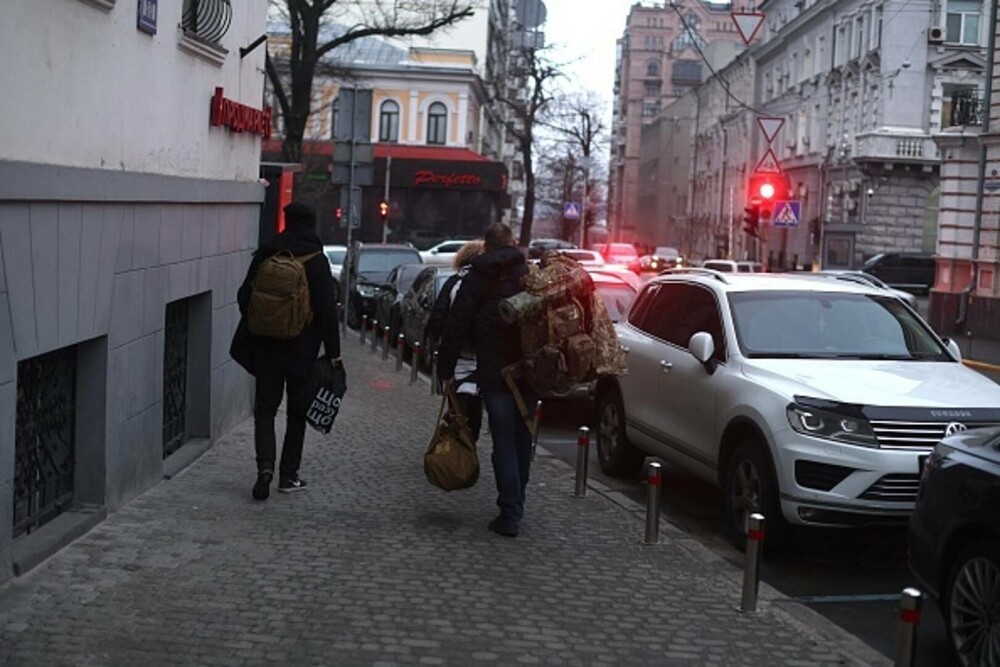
(239, 117)
(445, 180)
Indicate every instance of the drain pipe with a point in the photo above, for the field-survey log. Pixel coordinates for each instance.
(963, 306)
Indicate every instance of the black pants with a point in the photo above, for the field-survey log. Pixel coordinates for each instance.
(472, 406)
(271, 382)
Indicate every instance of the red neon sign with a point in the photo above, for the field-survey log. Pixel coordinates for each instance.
(428, 177)
(239, 117)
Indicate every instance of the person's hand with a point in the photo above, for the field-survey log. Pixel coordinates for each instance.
(337, 362)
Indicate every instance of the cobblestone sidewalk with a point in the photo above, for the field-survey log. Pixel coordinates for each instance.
(372, 565)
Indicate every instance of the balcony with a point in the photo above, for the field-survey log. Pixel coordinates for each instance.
(967, 108)
(895, 147)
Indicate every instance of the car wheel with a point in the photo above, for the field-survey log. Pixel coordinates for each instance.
(615, 454)
(972, 605)
(749, 488)
(353, 319)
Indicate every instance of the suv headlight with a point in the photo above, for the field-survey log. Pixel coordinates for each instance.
(367, 291)
(831, 425)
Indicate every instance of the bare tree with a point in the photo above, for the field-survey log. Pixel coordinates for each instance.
(527, 98)
(310, 43)
(579, 120)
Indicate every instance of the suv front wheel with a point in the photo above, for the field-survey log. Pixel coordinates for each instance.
(617, 456)
(749, 488)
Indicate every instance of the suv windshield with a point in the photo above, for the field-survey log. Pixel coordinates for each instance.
(384, 261)
(830, 325)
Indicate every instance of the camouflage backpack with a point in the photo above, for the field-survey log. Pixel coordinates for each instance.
(279, 301)
(567, 336)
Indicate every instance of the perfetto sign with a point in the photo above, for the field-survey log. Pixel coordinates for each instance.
(239, 117)
(425, 177)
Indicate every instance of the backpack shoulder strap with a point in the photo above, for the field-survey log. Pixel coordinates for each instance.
(306, 258)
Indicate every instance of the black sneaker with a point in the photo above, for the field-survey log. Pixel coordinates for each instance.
(291, 484)
(262, 488)
(501, 527)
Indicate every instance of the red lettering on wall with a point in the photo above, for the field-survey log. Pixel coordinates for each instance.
(239, 117)
(428, 177)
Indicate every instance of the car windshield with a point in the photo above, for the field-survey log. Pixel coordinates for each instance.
(617, 299)
(336, 257)
(384, 261)
(830, 325)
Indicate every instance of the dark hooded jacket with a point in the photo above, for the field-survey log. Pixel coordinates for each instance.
(474, 318)
(298, 354)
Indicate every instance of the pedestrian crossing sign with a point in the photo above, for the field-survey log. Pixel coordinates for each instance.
(787, 213)
(571, 210)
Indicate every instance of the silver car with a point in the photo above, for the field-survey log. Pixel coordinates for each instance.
(813, 402)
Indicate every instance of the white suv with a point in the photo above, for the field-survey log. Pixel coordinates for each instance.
(811, 401)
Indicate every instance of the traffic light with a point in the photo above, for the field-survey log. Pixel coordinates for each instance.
(383, 211)
(338, 214)
(765, 190)
(751, 220)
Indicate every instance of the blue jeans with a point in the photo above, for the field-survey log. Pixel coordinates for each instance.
(511, 452)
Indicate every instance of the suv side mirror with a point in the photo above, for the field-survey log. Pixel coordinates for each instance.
(953, 348)
(702, 347)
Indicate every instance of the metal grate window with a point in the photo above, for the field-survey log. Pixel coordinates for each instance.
(208, 20)
(44, 446)
(175, 361)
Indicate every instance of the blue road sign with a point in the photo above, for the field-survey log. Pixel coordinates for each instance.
(571, 210)
(787, 213)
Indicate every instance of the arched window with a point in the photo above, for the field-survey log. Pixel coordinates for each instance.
(437, 124)
(652, 68)
(388, 121)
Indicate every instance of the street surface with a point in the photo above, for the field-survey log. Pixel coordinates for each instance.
(372, 565)
(852, 577)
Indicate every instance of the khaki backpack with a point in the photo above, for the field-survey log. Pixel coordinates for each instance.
(279, 300)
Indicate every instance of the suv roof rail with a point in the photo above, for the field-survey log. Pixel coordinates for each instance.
(712, 273)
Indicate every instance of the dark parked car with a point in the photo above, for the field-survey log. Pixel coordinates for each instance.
(539, 246)
(366, 268)
(954, 540)
(418, 301)
(913, 272)
(389, 298)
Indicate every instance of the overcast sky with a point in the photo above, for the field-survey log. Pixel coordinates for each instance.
(585, 32)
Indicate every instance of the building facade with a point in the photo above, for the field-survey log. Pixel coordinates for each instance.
(125, 231)
(860, 101)
(658, 61)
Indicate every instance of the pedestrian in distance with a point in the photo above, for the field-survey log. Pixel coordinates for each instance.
(465, 367)
(474, 320)
(288, 309)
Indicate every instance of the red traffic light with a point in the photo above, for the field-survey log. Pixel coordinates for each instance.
(338, 213)
(767, 190)
(769, 187)
(383, 208)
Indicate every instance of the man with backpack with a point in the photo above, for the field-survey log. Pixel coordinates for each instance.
(288, 308)
(474, 320)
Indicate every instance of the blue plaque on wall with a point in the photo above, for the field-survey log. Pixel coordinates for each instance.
(146, 20)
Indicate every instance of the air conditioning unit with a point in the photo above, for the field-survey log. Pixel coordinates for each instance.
(935, 35)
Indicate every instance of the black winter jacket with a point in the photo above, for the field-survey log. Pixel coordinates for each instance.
(474, 318)
(296, 355)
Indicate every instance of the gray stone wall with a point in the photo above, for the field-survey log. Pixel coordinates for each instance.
(99, 274)
(895, 214)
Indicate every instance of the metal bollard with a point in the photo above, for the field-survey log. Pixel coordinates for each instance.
(364, 328)
(434, 374)
(751, 565)
(385, 344)
(654, 482)
(536, 430)
(582, 459)
(374, 335)
(909, 619)
(400, 347)
(415, 362)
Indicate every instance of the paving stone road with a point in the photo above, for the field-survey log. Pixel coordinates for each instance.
(371, 565)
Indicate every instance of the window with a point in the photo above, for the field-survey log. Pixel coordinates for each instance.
(652, 68)
(437, 124)
(859, 37)
(650, 109)
(652, 90)
(388, 122)
(679, 312)
(207, 20)
(963, 21)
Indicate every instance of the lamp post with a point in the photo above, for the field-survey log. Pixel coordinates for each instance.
(585, 163)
